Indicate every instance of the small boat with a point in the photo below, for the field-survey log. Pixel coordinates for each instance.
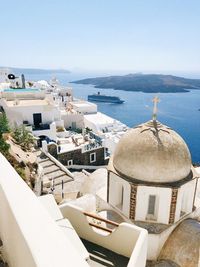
(105, 98)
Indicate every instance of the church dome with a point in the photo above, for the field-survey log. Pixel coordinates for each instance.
(152, 153)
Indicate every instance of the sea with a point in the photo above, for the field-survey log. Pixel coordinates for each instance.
(180, 111)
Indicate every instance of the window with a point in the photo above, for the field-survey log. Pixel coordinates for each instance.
(152, 202)
(120, 205)
(106, 153)
(151, 212)
(92, 157)
(70, 162)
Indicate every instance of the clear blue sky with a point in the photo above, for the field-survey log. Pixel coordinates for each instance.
(137, 35)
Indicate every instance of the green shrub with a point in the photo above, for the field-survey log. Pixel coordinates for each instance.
(23, 137)
(4, 124)
(4, 147)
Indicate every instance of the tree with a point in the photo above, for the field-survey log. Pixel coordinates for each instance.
(4, 147)
(23, 137)
(4, 124)
(4, 128)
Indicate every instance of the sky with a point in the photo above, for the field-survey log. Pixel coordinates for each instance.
(118, 35)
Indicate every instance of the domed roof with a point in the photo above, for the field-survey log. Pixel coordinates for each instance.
(183, 245)
(152, 152)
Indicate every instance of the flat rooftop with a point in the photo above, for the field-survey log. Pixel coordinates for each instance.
(27, 102)
(77, 142)
(82, 104)
(68, 147)
(100, 118)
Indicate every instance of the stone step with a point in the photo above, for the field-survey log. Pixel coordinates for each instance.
(58, 181)
(46, 163)
(38, 152)
(43, 159)
(51, 169)
(55, 174)
(63, 178)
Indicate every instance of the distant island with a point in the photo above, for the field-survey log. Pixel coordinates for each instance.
(147, 83)
(36, 71)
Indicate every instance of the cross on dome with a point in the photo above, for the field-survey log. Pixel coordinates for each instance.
(155, 100)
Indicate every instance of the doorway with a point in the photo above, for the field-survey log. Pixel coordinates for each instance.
(37, 119)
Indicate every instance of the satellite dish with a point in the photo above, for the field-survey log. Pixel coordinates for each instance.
(11, 76)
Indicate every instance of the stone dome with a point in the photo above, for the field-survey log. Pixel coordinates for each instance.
(183, 245)
(152, 153)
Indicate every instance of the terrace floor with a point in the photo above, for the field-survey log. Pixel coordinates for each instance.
(100, 256)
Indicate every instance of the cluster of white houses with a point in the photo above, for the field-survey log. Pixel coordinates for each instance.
(71, 126)
(151, 189)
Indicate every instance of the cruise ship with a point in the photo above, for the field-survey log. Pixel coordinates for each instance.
(104, 98)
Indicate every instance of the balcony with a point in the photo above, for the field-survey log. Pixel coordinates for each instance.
(108, 243)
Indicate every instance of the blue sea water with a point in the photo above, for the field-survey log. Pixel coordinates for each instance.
(179, 111)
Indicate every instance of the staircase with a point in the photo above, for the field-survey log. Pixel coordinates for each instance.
(53, 174)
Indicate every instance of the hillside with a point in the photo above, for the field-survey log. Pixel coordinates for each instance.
(148, 83)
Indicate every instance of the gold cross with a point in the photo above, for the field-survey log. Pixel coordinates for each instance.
(155, 100)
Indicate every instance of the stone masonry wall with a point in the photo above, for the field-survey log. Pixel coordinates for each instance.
(133, 201)
(173, 205)
(80, 158)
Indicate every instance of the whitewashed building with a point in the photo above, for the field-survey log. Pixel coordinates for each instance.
(109, 129)
(151, 181)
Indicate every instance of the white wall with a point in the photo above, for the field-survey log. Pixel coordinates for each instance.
(110, 143)
(84, 107)
(163, 204)
(91, 125)
(157, 241)
(30, 237)
(163, 199)
(114, 193)
(185, 199)
(73, 117)
(18, 114)
(23, 95)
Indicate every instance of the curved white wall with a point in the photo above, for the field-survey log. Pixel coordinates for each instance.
(30, 237)
(163, 196)
(115, 195)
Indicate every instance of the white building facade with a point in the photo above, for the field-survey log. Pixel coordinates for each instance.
(152, 182)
